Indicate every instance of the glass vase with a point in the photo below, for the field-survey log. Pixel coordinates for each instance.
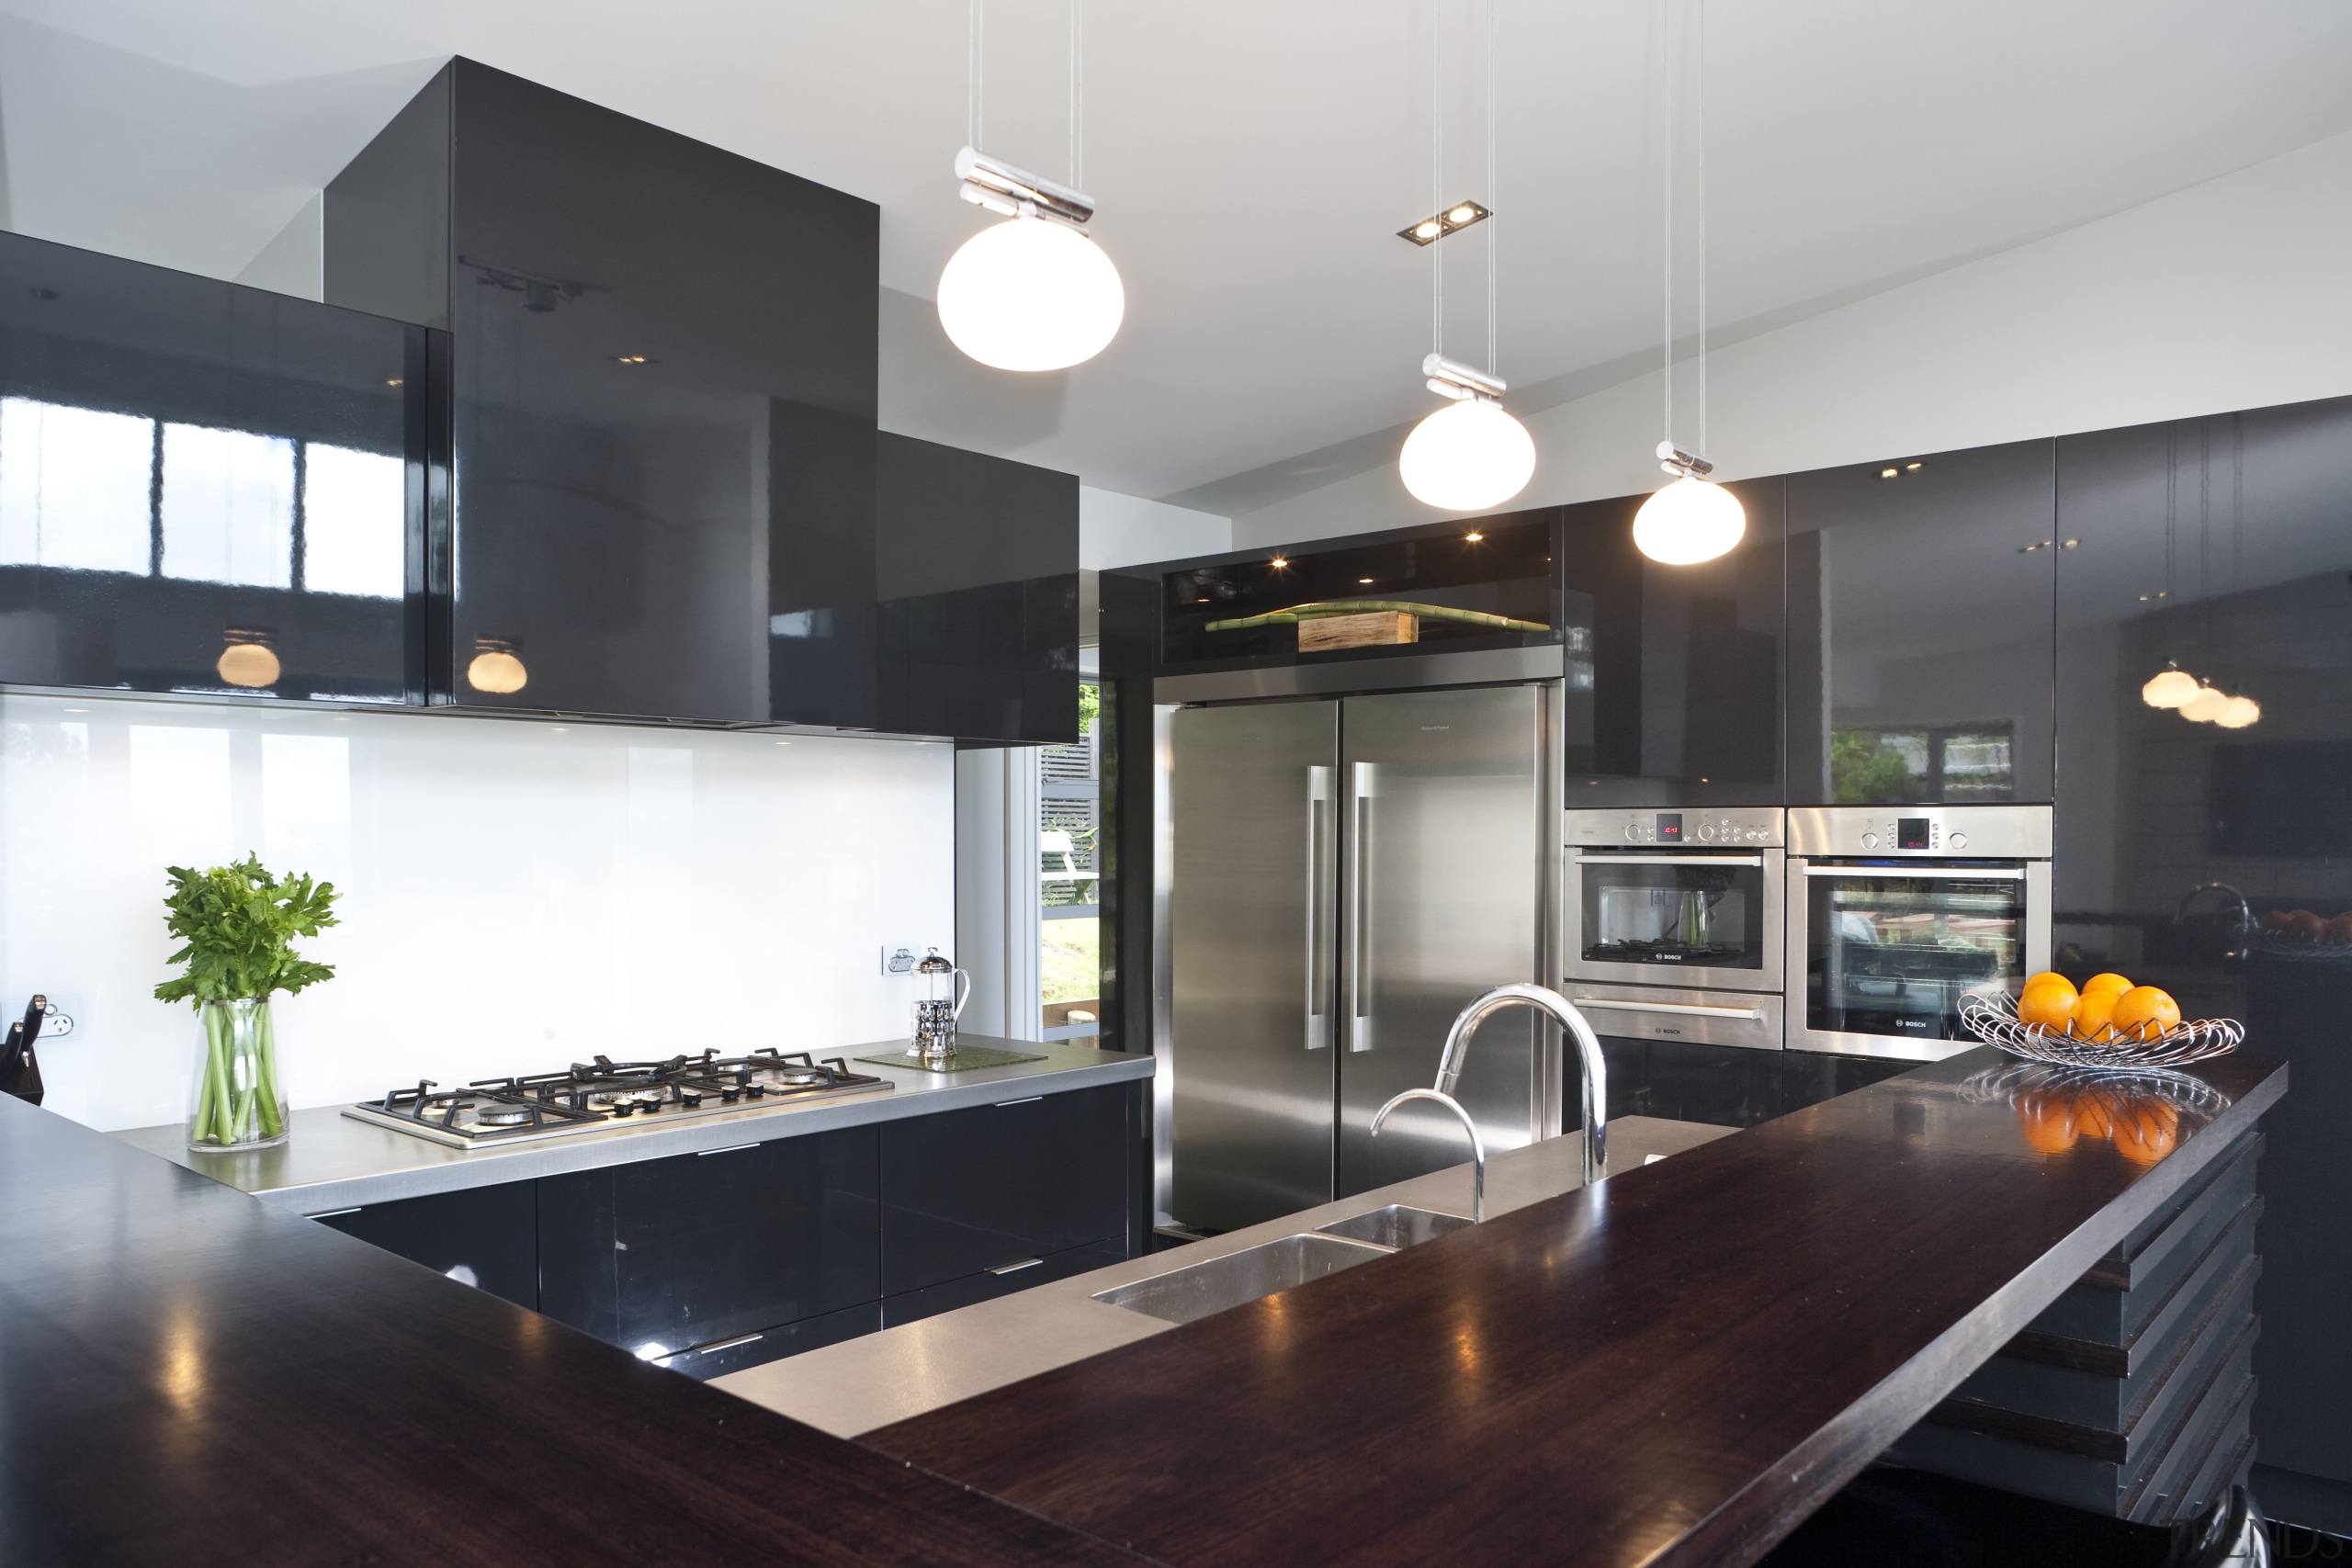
(237, 1103)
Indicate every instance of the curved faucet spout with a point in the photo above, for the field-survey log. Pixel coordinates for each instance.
(1564, 1012)
(1477, 1145)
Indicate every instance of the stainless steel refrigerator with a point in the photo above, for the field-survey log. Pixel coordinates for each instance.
(1345, 875)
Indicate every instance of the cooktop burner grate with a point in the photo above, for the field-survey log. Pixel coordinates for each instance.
(591, 1095)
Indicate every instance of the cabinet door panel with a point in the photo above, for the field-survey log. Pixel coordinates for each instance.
(485, 1235)
(703, 1248)
(988, 1285)
(966, 1190)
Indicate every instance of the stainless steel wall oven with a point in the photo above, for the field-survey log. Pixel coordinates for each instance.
(1692, 900)
(1897, 912)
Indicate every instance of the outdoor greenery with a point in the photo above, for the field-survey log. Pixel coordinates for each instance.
(1072, 960)
(1865, 769)
(1090, 707)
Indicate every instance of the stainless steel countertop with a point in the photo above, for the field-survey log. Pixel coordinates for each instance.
(331, 1161)
(903, 1373)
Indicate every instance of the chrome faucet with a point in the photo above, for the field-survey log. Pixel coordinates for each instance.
(1448, 1073)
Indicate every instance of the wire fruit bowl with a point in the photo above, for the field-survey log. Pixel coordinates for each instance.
(1994, 1020)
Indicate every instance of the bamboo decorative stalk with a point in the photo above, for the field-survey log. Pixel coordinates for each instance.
(1326, 608)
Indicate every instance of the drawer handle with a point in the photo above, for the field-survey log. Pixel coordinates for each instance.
(1031, 1100)
(729, 1150)
(1016, 1268)
(725, 1344)
(330, 1213)
(1685, 1010)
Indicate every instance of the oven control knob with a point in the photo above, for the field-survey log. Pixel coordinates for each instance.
(1957, 842)
(1632, 832)
(1870, 840)
(1706, 830)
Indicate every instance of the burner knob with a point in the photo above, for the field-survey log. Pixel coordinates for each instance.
(729, 1096)
(690, 1098)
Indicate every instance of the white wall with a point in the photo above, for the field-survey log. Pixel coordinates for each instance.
(518, 895)
(1125, 530)
(2231, 294)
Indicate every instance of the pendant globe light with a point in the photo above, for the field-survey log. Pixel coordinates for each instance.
(1470, 455)
(1693, 519)
(1034, 293)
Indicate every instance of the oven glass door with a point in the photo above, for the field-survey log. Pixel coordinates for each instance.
(1891, 951)
(1675, 913)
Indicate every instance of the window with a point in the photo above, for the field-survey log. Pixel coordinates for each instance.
(1965, 763)
(1068, 834)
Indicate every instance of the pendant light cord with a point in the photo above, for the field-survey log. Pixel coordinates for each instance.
(1665, 286)
(972, 75)
(1494, 366)
(1700, 152)
(1076, 97)
(1437, 173)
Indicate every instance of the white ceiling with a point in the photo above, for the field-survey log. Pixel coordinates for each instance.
(1253, 162)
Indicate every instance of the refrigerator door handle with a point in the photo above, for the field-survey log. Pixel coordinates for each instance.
(1359, 944)
(1318, 938)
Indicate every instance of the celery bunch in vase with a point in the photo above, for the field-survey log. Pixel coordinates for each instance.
(237, 924)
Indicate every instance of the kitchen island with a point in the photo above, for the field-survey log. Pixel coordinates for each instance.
(1675, 1366)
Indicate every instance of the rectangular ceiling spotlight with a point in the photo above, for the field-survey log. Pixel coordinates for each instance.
(1459, 216)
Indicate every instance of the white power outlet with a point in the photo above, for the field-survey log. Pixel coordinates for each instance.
(62, 1016)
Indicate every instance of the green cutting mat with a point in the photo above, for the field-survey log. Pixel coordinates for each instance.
(966, 1057)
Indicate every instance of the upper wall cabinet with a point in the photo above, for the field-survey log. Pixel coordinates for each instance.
(975, 569)
(203, 488)
(662, 384)
(1920, 605)
(1674, 671)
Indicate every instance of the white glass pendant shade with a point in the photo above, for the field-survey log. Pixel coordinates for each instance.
(248, 664)
(1030, 294)
(2170, 689)
(2237, 713)
(1688, 521)
(2206, 706)
(1467, 456)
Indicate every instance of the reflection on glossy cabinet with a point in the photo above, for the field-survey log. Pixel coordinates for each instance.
(663, 385)
(1919, 628)
(485, 1236)
(1675, 699)
(2218, 546)
(203, 487)
(695, 1249)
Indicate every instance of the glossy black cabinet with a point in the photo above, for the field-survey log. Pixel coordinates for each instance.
(967, 1192)
(661, 401)
(203, 487)
(1920, 607)
(2221, 546)
(485, 1236)
(695, 1250)
(1675, 672)
(1005, 1279)
(976, 570)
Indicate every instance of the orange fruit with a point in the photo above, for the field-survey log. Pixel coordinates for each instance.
(2146, 1130)
(2048, 1125)
(2094, 1115)
(2304, 926)
(2144, 1012)
(2107, 982)
(2339, 929)
(2048, 977)
(2052, 1006)
(2092, 1015)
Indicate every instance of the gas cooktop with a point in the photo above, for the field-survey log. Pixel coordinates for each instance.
(588, 1096)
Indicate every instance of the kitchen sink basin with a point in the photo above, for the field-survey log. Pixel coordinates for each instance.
(1395, 1226)
(1204, 1289)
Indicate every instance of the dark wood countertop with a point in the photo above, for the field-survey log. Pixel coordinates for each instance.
(188, 1376)
(1674, 1367)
